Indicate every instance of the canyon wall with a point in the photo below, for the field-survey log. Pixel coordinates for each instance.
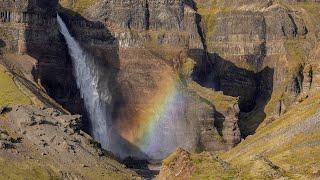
(33, 48)
(153, 41)
(261, 51)
(145, 46)
(167, 63)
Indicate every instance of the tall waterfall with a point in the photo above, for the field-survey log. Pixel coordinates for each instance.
(88, 78)
(162, 126)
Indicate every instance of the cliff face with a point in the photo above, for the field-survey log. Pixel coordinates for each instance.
(153, 41)
(266, 52)
(43, 140)
(34, 49)
(212, 70)
(167, 62)
(145, 48)
(261, 52)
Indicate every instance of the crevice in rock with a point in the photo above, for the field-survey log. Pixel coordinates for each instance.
(147, 16)
(295, 27)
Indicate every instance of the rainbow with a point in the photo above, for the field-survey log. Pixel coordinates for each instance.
(155, 122)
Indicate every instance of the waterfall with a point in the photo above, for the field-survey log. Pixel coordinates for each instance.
(166, 127)
(89, 77)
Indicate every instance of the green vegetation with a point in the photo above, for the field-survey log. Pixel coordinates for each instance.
(218, 99)
(9, 92)
(25, 170)
(287, 147)
(209, 167)
(77, 5)
(292, 152)
(312, 8)
(208, 10)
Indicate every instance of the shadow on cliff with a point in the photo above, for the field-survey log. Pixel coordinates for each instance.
(104, 47)
(54, 70)
(2, 45)
(253, 89)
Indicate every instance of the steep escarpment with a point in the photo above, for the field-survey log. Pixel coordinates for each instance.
(34, 50)
(197, 75)
(282, 36)
(261, 52)
(157, 44)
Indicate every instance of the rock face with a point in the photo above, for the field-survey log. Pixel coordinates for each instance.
(142, 44)
(261, 51)
(32, 46)
(146, 45)
(176, 19)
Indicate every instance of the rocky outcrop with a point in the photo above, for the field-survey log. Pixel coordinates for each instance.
(55, 139)
(177, 166)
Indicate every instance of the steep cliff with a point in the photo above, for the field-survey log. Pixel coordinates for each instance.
(262, 52)
(266, 52)
(34, 50)
(156, 44)
(284, 148)
(193, 74)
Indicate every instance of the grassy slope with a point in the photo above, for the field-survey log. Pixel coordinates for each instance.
(287, 147)
(24, 170)
(208, 167)
(9, 92)
(288, 142)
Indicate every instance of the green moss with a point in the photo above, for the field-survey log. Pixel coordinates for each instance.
(9, 92)
(295, 50)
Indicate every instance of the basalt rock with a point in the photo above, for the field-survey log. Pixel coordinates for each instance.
(33, 47)
(144, 44)
(262, 52)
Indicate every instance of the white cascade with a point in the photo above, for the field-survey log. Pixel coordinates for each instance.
(87, 75)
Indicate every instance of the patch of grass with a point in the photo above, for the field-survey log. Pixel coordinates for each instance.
(170, 158)
(207, 167)
(77, 5)
(218, 99)
(9, 92)
(208, 10)
(24, 170)
(312, 8)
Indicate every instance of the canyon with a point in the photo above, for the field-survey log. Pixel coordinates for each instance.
(228, 86)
